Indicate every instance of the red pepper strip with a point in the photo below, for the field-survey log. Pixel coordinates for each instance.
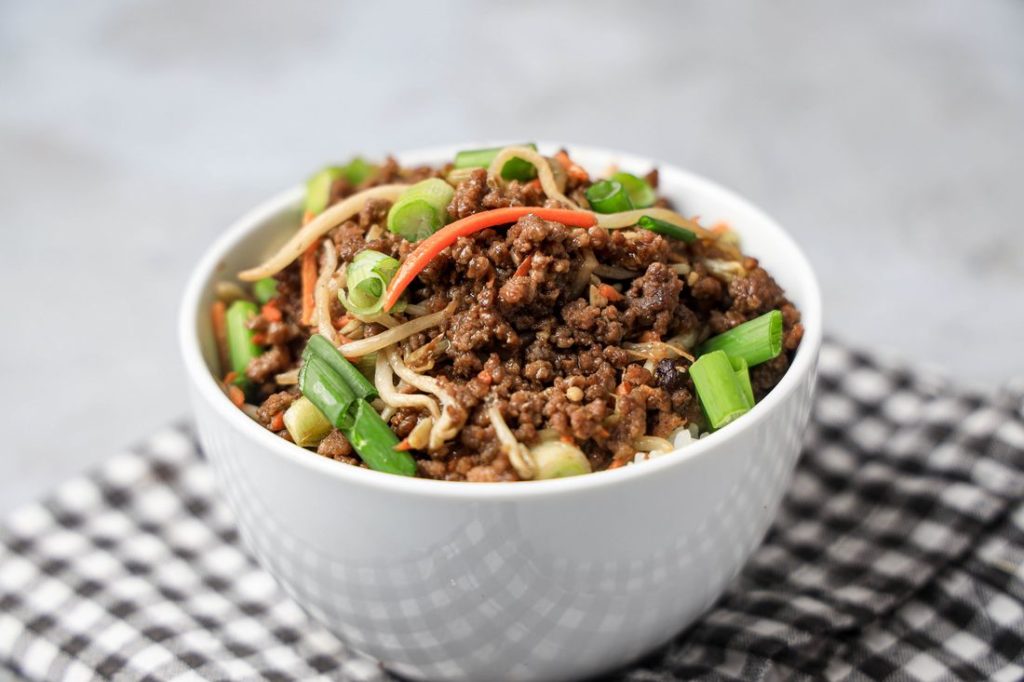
(427, 249)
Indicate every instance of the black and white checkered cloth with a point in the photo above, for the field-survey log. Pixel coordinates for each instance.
(897, 555)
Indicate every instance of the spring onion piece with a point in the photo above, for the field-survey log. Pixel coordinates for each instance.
(241, 347)
(358, 170)
(755, 341)
(719, 391)
(555, 459)
(318, 188)
(739, 366)
(367, 278)
(326, 390)
(265, 289)
(306, 425)
(663, 227)
(608, 196)
(421, 210)
(320, 348)
(375, 442)
(367, 365)
(639, 190)
(514, 169)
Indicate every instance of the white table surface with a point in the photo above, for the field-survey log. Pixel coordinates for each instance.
(889, 138)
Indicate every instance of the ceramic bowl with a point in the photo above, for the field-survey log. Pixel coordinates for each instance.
(540, 580)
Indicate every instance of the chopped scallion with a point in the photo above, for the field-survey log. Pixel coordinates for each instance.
(739, 365)
(755, 341)
(639, 190)
(421, 210)
(241, 347)
(265, 289)
(306, 425)
(367, 278)
(663, 227)
(514, 168)
(375, 442)
(323, 350)
(326, 390)
(608, 196)
(318, 188)
(720, 393)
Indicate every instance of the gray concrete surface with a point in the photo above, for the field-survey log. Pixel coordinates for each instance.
(888, 137)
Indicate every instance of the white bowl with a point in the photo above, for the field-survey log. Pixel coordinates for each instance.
(542, 580)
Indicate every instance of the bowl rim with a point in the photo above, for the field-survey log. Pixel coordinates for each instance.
(202, 381)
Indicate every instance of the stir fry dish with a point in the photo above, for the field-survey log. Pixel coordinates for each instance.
(503, 317)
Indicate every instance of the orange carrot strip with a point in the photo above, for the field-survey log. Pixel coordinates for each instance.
(277, 423)
(218, 312)
(575, 171)
(230, 377)
(524, 267)
(427, 249)
(609, 292)
(567, 439)
(236, 395)
(270, 312)
(403, 445)
(308, 273)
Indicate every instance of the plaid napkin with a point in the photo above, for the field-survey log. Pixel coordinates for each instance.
(897, 555)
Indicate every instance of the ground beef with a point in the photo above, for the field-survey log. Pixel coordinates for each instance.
(534, 333)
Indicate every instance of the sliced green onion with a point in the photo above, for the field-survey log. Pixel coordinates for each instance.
(325, 388)
(241, 347)
(265, 289)
(555, 459)
(666, 228)
(358, 170)
(318, 188)
(367, 364)
(367, 278)
(639, 190)
(755, 341)
(514, 169)
(608, 196)
(421, 210)
(739, 366)
(719, 391)
(306, 425)
(375, 442)
(320, 348)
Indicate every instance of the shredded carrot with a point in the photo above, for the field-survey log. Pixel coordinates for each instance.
(236, 395)
(218, 312)
(230, 377)
(307, 216)
(343, 320)
(566, 438)
(616, 464)
(524, 267)
(609, 292)
(602, 432)
(575, 171)
(277, 423)
(270, 312)
(308, 273)
(403, 445)
(259, 339)
(428, 249)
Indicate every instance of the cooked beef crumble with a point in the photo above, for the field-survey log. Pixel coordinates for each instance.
(534, 331)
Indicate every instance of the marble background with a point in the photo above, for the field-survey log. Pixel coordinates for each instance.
(887, 137)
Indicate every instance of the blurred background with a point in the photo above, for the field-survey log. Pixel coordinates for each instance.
(887, 137)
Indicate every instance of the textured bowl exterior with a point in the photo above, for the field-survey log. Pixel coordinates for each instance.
(531, 581)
